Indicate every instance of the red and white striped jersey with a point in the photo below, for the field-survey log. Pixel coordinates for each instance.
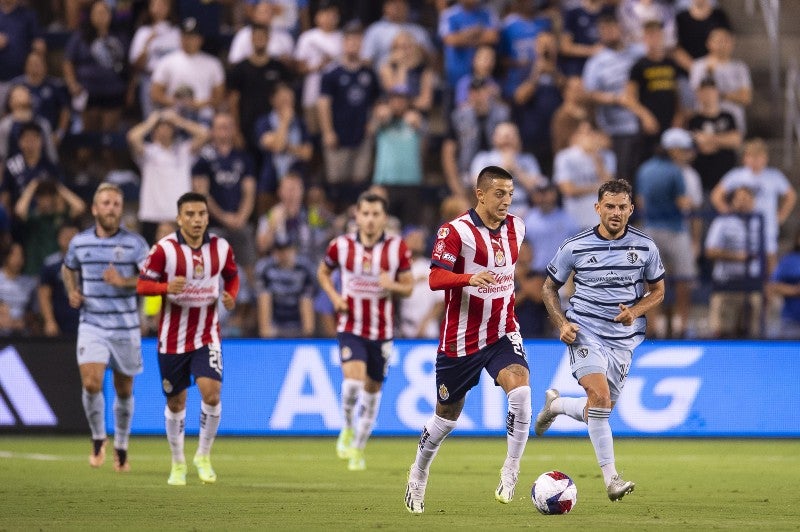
(189, 320)
(370, 308)
(476, 316)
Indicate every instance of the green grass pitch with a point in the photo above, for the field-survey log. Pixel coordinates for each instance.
(299, 484)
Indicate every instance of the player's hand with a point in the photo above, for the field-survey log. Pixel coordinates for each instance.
(51, 328)
(176, 285)
(385, 281)
(625, 316)
(75, 299)
(568, 332)
(228, 301)
(340, 304)
(111, 276)
(482, 279)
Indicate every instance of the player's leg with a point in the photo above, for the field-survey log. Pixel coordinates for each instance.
(353, 360)
(175, 379)
(207, 370)
(94, 406)
(123, 416)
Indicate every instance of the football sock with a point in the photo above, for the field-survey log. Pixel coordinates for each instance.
(123, 414)
(209, 423)
(433, 434)
(350, 391)
(571, 406)
(609, 472)
(176, 424)
(370, 404)
(94, 404)
(600, 435)
(518, 425)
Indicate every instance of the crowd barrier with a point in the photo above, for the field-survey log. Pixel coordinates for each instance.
(291, 388)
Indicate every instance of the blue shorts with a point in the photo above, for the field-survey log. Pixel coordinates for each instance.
(455, 376)
(177, 370)
(375, 353)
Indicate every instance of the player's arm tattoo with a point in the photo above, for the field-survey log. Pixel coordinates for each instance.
(552, 302)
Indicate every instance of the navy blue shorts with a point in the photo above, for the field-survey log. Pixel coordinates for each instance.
(177, 370)
(375, 353)
(455, 376)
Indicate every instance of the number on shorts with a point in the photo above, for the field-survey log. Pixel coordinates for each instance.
(215, 358)
(516, 342)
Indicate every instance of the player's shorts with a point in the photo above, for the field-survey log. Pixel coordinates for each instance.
(676, 252)
(455, 376)
(375, 353)
(177, 370)
(588, 356)
(122, 352)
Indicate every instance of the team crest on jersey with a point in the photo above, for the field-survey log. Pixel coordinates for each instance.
(366, 263)
(346, 353)
(444, 393)
(443, 232)
(118, 253)
(632, 257)
(438, 248)
(167, 386)
(499, 258)
(582, 352)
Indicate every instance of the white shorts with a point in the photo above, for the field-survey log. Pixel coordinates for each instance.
(121, 352)
(587, 356)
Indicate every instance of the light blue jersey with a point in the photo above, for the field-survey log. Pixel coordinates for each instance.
(107, 307)
(607, 273)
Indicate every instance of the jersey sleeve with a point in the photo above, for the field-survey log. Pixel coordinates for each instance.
(560, 267)
(71, 257)
(405, 257)
(331, 257)
(654, 267)
(447, 248)
(141, 251)
(154, 264)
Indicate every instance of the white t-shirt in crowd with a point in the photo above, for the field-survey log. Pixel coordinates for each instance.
(280, 44)
(167, 39)
(314, 47)
(166, 175)
(201, 71)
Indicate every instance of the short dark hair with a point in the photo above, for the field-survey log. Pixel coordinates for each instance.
(492, 172)
(371, 197)
(29, 127)
(190, 197)
(615, 186)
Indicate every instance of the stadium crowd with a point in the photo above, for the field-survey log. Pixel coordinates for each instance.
(282, 111)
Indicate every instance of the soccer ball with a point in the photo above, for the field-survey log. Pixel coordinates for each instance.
(554, 493)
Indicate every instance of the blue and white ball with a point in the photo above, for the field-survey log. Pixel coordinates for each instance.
(554, 493)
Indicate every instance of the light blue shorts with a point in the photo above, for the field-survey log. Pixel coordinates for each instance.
(588, 356)
(122, 352)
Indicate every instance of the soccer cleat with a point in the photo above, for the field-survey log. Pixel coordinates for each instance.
(505, 490)
(121, 464)
(415, 495)
(344, 442)
(98, 455)
(618, 488)
(204, 470)
(545, 417)
(357, 462)
(177, 476)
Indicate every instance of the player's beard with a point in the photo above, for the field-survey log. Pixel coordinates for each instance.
(109, 223)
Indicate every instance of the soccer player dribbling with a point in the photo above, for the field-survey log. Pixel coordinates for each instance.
(473, 261)
(185, 268)
(612, 262)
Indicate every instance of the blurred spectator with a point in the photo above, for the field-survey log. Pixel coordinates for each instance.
(157, 37)
(664, 205)
(536, 101)
(580, 38)
(693, 26)
(287, 220)
(280, 44)
(735, 242)
(316, 49)
(605, 79)
(634, 16)
(41, 209)
(283, 140)
(528, 307)
(94, 70)
(189, 71)
(464, 27)
(286, 288)
(470, 131)
(483, 65)
(151, 305)
(785, 282)
(287, 14)
(20, 113)
(251, 83)
(349, 91)
(507, 153)
(19, 35)
(165, 163)
(380, 35)
(16, 293)
(715, 134)
(49, 95)
(569, 115)
(408, 66)
(775, 197)
(58, 316)
(399, 139)
(517, 47)
(30, 164)
(580, 170)
(732, 76)
(421, 312)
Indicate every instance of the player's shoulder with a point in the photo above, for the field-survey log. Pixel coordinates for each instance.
(578, 239)
(636, 235)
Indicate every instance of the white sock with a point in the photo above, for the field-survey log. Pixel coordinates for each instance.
(176, 425)
(370, 404)
(351, 388)
(518, 425)
(609, 472)
(209, 423)
(94, 405)
(123, 416)
(433, 434)
(571, 406)
(602, 440)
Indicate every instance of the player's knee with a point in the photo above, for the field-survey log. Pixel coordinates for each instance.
(92, 385)
(598, 398)
(211, 398)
